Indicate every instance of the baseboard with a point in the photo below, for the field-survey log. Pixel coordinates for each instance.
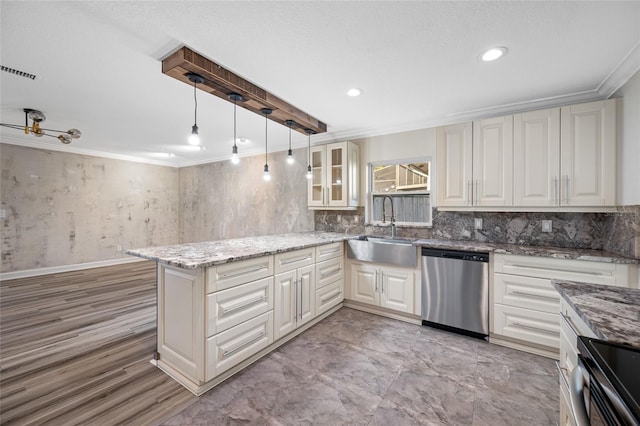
(66, 268)
(525, 347)
(410, 318)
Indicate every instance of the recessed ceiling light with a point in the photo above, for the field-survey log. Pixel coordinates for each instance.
(494, 53)
(354, 92)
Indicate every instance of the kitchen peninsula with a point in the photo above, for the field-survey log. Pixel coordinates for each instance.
(224, 304)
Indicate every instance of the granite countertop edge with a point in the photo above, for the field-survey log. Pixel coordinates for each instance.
(540, 251)
(611, 312)
(168, 255)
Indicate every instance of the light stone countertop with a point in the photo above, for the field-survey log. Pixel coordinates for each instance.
(198, 255)
(540, 251)
(612, 313)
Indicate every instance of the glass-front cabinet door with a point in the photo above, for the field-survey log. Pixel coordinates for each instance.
(316, 192)
(337, 174)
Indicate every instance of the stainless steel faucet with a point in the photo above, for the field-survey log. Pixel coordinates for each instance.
(393, 217)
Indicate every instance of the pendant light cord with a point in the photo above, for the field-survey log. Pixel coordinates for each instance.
(235, 103)
(195, 100)
(289, 136)
(266, 120)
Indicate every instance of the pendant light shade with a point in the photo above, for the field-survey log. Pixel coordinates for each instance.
(194, 138)
(235, 97)
(290, 160)
(309, 133)
(266, 111)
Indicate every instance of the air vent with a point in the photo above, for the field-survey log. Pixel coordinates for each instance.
(17, 72)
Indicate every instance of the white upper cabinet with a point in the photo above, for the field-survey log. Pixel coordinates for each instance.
(588, 154)
(334, 176)
(475, 163)
(454, 152)
(493, 162)
(536, 154)
(558, 158)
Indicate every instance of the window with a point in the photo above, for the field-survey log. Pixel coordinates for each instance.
(408, 183)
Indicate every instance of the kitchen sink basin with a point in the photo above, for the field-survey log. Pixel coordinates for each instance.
(383, 250)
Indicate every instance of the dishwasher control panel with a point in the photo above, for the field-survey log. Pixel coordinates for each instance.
(456, 254)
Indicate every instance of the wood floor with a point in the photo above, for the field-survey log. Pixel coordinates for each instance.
(75, 349)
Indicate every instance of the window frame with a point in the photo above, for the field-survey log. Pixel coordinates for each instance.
(370, 193)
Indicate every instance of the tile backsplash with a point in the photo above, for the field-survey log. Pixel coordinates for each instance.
(617, 232)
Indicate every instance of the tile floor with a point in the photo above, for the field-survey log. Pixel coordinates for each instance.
(358, 368)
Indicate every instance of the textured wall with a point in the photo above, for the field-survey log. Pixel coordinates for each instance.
(616, 232)
(222, 200)
(65, 209)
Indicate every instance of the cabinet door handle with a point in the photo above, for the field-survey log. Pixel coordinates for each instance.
(244, 305)
(566, 189)
(529, 327)
(382, 281)
(227, 352)
(376, 282)
(299, 293)
(538, 296)
(556, 197)
(469, 194)
(246, 271)
(475, 193)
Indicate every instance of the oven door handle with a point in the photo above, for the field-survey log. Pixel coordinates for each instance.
(576, 390)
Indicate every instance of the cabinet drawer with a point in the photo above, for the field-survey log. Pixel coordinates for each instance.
(294, 259)
(526, 292)
(228, 308)
(568, 350)
(232, 274)
(227, 349)
(527, 325)
(329, 251)
(329, 271)
(329, 296)
(562, 269)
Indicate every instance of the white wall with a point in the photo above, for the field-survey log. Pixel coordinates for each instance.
(629, 142)
(398, 146)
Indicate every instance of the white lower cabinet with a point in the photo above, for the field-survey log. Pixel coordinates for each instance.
(387, 287)
(227, 349)
(294, 300)
(526, 307)
(329, 296)
(211, 320)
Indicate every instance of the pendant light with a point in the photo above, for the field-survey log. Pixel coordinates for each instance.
(266, 112)
(309, 133)
(290, 123)
(194, 138)
(234, 152)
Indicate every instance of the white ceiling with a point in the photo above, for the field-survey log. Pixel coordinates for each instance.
(417, 63)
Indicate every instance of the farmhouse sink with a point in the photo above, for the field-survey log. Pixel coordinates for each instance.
(391, 251)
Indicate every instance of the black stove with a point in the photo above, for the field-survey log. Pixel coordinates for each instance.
(614, 381)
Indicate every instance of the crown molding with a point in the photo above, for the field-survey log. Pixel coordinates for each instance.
(621, 73)
(30, 143)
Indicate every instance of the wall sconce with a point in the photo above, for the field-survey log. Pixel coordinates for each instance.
(35, 129)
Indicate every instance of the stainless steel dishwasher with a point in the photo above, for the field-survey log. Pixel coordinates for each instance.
(455, 291)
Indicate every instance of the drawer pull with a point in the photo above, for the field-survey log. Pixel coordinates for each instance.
(328, 298)
(572, 327)
(331, 272)
(335, 250)
(244, 305)
(245, 271)
(297, 259)
(227, 352)
(529, 327)
(538, 296)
